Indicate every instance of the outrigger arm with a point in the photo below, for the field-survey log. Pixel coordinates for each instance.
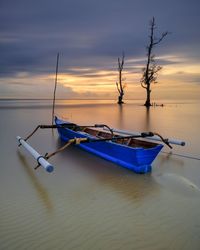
(155, 137)
(42, 160)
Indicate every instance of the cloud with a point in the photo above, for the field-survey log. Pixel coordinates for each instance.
(92, 35)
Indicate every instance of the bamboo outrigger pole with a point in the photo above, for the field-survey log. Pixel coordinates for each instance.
(54, 93)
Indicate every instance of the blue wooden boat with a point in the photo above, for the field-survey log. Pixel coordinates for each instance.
(131, 153)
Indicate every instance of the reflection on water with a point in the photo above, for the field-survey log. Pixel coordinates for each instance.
(120, 116)
(40, 189)
(131, 186)
(179, 184)
(147, 121)
(88, 202)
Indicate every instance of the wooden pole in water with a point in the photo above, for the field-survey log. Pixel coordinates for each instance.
(54, 93)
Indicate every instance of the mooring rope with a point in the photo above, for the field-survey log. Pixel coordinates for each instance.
(181, 155)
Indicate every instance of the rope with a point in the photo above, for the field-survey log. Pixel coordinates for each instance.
(19, 142)
(60, 149)
(181, 155)
(71, 141)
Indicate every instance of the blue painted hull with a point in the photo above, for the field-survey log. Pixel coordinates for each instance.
(138, 159)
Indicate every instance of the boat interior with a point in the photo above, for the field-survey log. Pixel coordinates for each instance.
(131, 142)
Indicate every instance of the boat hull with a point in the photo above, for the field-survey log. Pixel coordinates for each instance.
(137, 159)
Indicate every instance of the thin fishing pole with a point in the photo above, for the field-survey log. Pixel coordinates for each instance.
(54, 94)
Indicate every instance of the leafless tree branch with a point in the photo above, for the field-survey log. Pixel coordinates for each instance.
(151, 70)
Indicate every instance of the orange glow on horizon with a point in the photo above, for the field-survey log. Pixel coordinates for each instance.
(176, 80)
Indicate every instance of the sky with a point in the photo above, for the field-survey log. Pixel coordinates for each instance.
(90, 35)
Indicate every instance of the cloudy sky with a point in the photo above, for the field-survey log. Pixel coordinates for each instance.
(90, 35)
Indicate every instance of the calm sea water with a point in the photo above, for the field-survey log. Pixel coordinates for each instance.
(88, 202)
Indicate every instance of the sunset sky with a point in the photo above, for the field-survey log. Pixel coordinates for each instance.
(90, 35)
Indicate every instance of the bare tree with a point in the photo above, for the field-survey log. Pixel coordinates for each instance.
(150, 72)
(120, 85)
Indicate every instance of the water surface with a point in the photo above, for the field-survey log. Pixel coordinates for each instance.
(88, 202)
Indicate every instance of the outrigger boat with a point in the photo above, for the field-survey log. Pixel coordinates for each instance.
(130, 150)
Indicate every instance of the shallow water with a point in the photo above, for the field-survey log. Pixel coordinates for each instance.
(88, 202)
